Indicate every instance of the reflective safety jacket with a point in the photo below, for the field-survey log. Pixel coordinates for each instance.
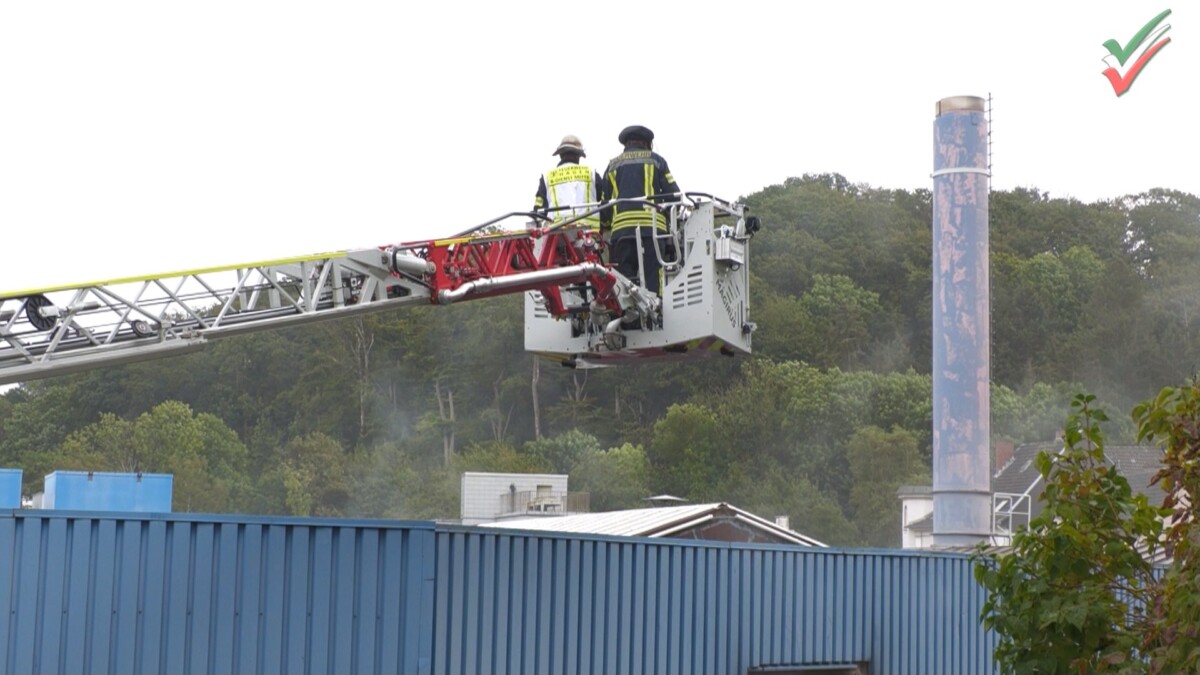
(637, 173)
(568, 185)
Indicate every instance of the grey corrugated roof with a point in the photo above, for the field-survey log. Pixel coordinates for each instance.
(656, 522)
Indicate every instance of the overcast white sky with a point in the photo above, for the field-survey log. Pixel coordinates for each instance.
(146, 137)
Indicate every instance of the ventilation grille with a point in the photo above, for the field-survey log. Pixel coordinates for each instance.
(691, 291)
(539, 306)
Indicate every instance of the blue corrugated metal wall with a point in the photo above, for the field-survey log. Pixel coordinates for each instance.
(525, 603)
(130, 593)
(94, 593)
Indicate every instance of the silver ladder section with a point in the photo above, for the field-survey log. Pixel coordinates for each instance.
(62, 329)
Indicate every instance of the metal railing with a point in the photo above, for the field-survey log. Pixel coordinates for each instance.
(1010, 512)
(545, 502)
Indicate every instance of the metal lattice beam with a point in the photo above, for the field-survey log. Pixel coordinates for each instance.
(50, 331)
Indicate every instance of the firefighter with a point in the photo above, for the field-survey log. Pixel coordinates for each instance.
(564, 191)
(637, 172)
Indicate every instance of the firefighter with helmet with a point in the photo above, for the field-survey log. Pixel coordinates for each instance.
(567, 190)
(637, 172)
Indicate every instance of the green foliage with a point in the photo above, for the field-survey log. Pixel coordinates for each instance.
(310, 477)
(1042, 298)
(563, 451)
(1071, 597)
(32, 429)
(686, 454)
(877, 240)
(617, 478)
(1038, 415)
(770, 490)
(1172, 640)
(1077, 593)
(205, 456)
(880, 462)
(839, 314)
(498, 457)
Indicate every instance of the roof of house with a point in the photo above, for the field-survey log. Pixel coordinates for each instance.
(653, 522)
(914, 491)
(922, 525)
(1138, 463)
(1156, 557)
(1020, 475)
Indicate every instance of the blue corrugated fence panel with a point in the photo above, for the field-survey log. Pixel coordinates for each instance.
(87, 592)
(558, 603)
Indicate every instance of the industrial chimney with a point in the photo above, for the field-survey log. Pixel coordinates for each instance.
(961, 324)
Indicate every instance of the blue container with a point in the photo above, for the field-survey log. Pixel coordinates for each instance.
(10, 488)
(96, 491)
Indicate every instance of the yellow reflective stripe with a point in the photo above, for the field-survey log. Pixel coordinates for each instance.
(693, 345)
(551, 193)
(638, 218)
(648, 177)
(451, 242)
(170, 275)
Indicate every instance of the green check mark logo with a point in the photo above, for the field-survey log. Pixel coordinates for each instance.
(1123, 53)
(1121, 82)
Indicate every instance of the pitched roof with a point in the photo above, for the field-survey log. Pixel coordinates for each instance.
(1020, 475)
(1138, 463)
(922, 525)
(653, 522)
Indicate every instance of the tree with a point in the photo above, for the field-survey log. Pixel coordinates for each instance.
(498, 457)
(1071, 597)
(310, 477)
(880, 462)
(839, 316)
(32, 430)
(1077, 594)
(1173, 418)
(617, 478)
(769, 489)
(208, 462)
(685, 452)
(563, 451)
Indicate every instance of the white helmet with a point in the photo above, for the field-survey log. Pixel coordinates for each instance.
(572, 143)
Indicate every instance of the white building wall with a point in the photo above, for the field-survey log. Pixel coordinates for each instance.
(484, 494)
(913, 508)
